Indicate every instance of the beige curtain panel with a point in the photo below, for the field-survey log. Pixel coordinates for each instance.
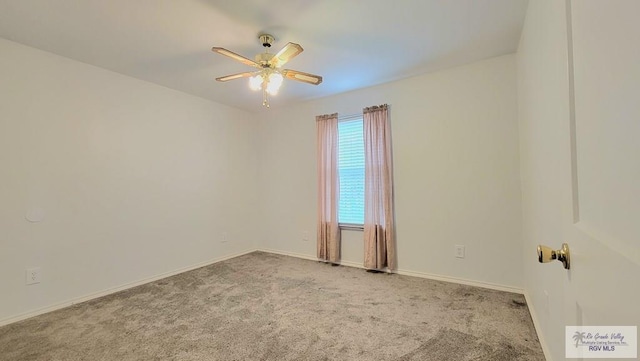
(379, 232)
(328, 191)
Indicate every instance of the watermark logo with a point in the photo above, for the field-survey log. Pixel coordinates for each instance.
(601, 342)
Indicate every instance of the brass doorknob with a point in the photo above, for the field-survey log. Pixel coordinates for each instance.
(547, 254)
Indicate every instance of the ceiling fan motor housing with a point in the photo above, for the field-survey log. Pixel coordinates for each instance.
(264, 59)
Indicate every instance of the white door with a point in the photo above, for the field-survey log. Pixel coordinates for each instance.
(603, 223)
(580, 165)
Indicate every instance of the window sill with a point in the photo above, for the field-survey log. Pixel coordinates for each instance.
(351, 227)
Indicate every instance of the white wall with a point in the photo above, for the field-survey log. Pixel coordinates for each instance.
(595, 208)
(136, 180)
(455, 144)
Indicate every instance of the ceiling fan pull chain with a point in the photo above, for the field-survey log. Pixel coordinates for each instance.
(265, 99)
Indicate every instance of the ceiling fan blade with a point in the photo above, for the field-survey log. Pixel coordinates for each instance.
(301, 76)
(235, 76)
(234, 56)
(290, 51)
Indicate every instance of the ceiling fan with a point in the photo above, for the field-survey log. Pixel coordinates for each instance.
(270, 76)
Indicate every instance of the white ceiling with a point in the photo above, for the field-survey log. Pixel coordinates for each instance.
(352, 44)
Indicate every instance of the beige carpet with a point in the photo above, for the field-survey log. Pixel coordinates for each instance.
(269, 307)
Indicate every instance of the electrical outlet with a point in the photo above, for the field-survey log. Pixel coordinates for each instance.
(223, 237)
(33, 276)
(459, 251)
(305, 236)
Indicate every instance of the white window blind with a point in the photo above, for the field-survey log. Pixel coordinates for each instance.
(351, 171)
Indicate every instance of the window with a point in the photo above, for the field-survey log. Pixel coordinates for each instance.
(351, 171)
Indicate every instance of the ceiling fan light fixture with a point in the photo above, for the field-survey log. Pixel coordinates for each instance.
(255, 82)
(274, 83)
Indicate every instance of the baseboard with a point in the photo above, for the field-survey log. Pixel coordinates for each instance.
(292, 254)
(462, 281)
(430, 276)
(311, 258)
(95, 295)
(538, 327)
